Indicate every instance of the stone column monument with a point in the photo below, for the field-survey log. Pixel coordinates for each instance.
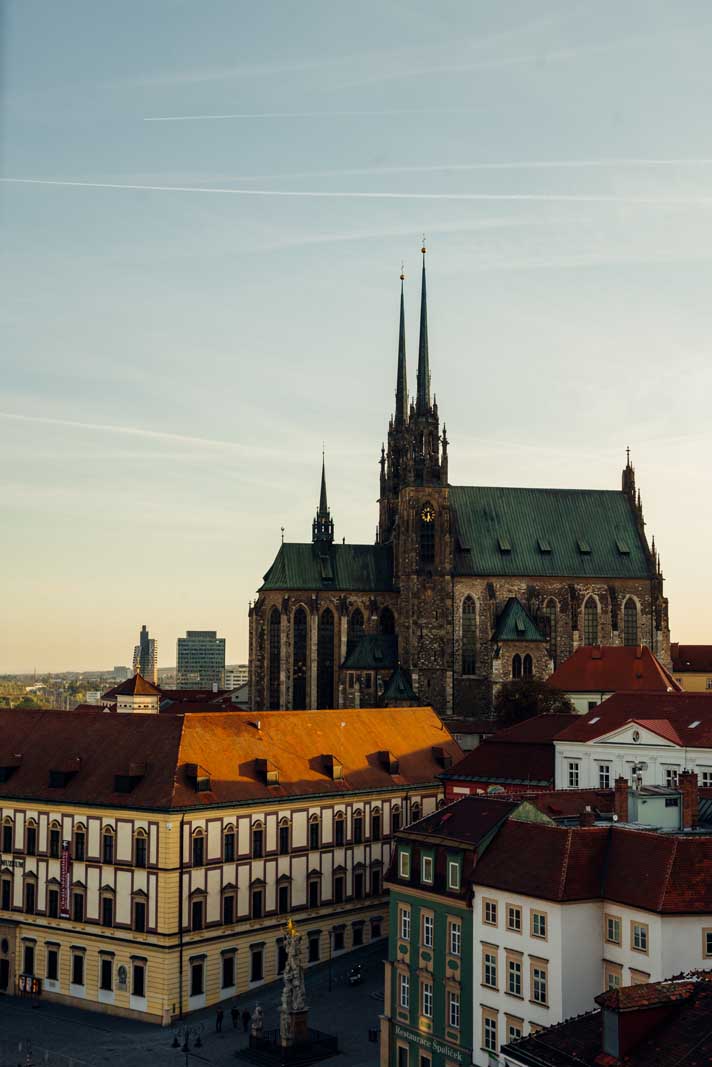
(293, 1029)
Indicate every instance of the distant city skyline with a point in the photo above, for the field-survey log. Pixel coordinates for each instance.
(204, 217)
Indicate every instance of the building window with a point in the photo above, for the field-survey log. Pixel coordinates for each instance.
(489, 1030)
(427, 535)
(107, 911)
(6, 889)
(140, 848)
(358, 828)
(79, 850)
(7, 836)
(299, 660)
(538, 919)
(314, 833)
(427, 930)
(283, 895)
(428, 1000)
(53, 903)
(706, 778)
(30, 897)
(375, 882)
(78, 969)
(107, 847)
(258, 838)
(197, 978)
(403, 1056)
(489, 912)
(31, 839)
(573, 773)
(313, 892)
(138, 980)
(281, 957)
(284, 837)
(197, 914)
(514, 1030)
(630, 622)
(405, 924)
(325, 660)
(604, 776)
(551, 612)
(357, 934)
(707, 943)
(339, 836)
(453, 1009)
(426, 873)
(469, 636)
(514, 977)
(516, 666)
(404, 863)
(612, 976)
(489, 968)
(404, 991)
(139, 916)
(671, 777)
(355, 630)
(539, 980)
(28, 960)
(358, 885)
(52, 964)
(313, 954)
(228, 970)
(198, 849)
(256, 964)
(453, 874)
(514, 918)
(639, 937)
(613, 929)
(455, 937)
(376, 825)
(339, 889)
(257, 902)
(229, 845)
(106, 980)
(55, 841)
(78, 906)
(387, 622)
(395, 819)
(590, 621)
(415, 812)
(275, 630)
(228, 909)
(527, 666)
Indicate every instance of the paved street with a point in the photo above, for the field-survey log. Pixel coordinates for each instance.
(64, 1037)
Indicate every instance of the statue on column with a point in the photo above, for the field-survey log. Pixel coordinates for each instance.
(293, 1009)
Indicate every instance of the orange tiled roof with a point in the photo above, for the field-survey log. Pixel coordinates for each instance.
(612, 669)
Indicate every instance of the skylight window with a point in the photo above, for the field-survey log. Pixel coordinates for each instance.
(544, 546)
(583, 547)
(504, 544)
(622, 547)
(694, 724)
(596, 718)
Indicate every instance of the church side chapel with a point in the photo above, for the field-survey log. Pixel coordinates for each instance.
(466, 586)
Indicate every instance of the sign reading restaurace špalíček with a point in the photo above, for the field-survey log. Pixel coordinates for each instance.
(431, 1044)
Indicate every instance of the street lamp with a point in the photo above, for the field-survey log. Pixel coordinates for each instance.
(182, 1037)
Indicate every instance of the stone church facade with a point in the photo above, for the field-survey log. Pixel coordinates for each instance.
(465, 587)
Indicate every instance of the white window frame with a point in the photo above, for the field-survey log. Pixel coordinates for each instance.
(540, 984)
(426, 870)
(428, 931)
(428, 1000)
(404, 990)
(489, 1034)
(454, 1009)
(405, 924)
(404, 863)
(455, 937)
(573, 773)
(604, 776)
(453, 883)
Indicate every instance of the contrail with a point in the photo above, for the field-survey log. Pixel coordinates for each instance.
(314, 114)
(552, 198)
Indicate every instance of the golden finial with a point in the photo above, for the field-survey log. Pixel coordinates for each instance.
(423, 249)
(402, 274)
(292, 928)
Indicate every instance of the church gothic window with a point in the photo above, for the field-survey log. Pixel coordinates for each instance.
(630, 622)
(552, 616)
(274, 658)
(299, 660)
(356, 629)
(426, 539)
(469, 636)
(590, 622)
(325, 660)
(516, 666)
(387, 622)
(527, 666)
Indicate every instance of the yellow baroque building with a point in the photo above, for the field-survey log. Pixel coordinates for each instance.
(150, 862)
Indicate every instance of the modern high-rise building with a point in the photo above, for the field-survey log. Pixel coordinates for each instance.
(145, 657)
(200, 660)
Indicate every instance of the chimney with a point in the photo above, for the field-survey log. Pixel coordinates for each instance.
(621, 801)
(687, 784)
(587, 817)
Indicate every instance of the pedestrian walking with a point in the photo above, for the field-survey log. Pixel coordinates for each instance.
(245, 1020)
(219, 1020)
(235, 1016)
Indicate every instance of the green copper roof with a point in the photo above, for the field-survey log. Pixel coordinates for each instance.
(361, 568)
(398, 687)
(373, 652)
(515, 624)
(573, 533)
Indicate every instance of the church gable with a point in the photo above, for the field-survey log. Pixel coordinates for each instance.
(577, 533)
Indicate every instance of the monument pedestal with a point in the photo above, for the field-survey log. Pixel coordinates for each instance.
(296, 1032)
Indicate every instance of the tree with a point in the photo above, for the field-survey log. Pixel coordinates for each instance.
(523, 698)
(28, 702)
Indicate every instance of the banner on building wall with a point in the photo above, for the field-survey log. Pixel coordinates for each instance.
(64, 874)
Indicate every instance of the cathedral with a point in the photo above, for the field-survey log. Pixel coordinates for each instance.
(466, 586)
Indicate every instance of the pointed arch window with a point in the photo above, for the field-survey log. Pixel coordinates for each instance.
(527, 666)
(325, 660)
(387, 622)
(630, 622)
(356, 628)
(516, 665)
(275, 632)
(469, 636)
(426, 535)
(590, 621)
(551, 611)
(299, 660)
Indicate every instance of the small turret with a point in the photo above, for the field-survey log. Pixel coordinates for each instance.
(628, 479)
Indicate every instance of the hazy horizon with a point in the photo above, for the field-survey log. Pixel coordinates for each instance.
(205, 209)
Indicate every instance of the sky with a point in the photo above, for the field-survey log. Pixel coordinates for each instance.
(204, 209)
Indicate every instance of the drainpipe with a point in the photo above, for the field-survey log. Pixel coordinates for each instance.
(180, 920)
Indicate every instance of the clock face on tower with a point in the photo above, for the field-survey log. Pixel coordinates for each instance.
(428, 513)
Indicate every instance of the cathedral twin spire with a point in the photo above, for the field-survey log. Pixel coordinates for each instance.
(422, 402)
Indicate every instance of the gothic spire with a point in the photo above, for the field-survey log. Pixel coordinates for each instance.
(323, 524)
(323, 506)
(402, 380)
(423, 400)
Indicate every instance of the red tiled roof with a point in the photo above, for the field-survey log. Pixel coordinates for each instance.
(470, 819)
(645, 995)
(612, 669)
(566, 803)
(537, 728)
(691, 657)
(671, 715)
(493, 761)
(227, 744)
(135, 686)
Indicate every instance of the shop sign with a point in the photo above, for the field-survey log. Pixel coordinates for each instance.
(432, 1044)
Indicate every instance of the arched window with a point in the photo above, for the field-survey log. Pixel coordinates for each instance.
(31, 838)
(275, 631)
(314, 832)
(198, 855)
(107, 846)
(80, 837)
(356, 628)
(426, 535)
(7, 842)
(415, 812)
(140, 848)
(325, 660)
(527, 666)
(395, 818)
(299, 660)
(387, 622)
(339, 823)
(516, 665)
(284, 837)
(258, 840)
(551, 610)
(630, 622)
(30, 893)
(469, 636)
(375, 824)
(229, 844)
(55, 840)
(590, 621)
(358, 828)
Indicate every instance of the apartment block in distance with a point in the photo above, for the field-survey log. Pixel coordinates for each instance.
(200, 660)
